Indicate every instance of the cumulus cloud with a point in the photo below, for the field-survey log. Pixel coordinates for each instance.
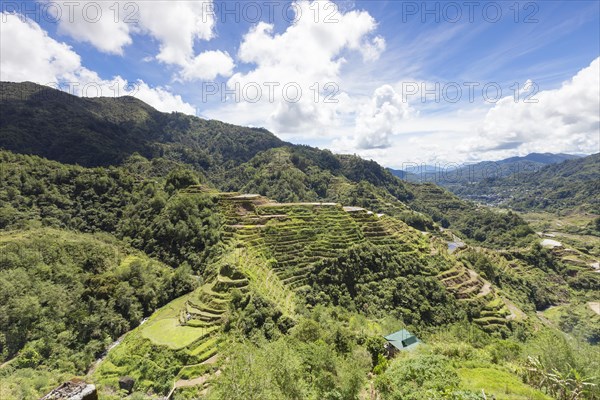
(208, 65)
(561, 120)
(381, 118)
(175, 25)
(102, 24)
(161, 98)
(28, 53)
(305, 59)
(34, 56)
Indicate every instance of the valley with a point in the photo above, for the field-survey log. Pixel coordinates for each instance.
(197, 259)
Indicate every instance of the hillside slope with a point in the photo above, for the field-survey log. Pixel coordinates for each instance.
(331, 254)
(64, 296)
(39, 120)
(567, 185)
(283, 257)
(106, 131)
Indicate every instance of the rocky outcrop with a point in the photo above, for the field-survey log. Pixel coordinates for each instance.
(73, 390)
(126, 383)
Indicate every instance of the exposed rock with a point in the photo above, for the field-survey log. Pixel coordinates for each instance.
(549, 243)
(126, 383)
(73, 390)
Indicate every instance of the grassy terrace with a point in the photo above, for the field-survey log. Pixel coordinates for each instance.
(296, 235)
(467, 285)
(272, 249)
(498, 383)
(180, 336)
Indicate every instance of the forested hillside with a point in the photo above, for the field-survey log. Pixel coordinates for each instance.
(69, 129)
(557, 187)
(93, 132)
(281, 294)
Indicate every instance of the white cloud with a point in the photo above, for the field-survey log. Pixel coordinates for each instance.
(208, 65)
(175, 25)
(28, 53)
(102, 24)
(381, 118)
(34, 56)
(562, 120)
(309, 54)
(162, 99)
(372, 50)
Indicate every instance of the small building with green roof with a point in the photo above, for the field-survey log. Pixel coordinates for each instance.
(401, 340)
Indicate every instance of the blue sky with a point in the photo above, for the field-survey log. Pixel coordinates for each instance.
(373, 58)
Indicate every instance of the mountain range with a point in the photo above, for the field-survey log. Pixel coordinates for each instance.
(41, 121)
(159, 254)
(450, 175)
(524, 183)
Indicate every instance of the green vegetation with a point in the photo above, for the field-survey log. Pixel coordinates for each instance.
(557, 187)
(284, 294)
(500, 384)
(65, 296)
(130, 202)
(318, 360)
(106, 131)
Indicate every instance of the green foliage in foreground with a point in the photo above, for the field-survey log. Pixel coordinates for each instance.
(457, 364)
(28, 383)
(65, 296)
(292, 369)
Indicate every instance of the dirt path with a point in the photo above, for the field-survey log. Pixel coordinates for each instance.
(515, 312)
(199, 380)
(542, 318)
(211, 360)
(485, 290)
(191, 382)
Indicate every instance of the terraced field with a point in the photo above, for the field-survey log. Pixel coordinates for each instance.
(294, 236)
(271, 248)
(184, 334)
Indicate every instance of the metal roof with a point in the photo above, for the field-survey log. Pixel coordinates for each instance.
(402, 340)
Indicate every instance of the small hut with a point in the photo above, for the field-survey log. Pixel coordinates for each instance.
(401, 340)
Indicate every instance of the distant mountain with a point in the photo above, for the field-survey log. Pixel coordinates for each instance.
(455, 178)
(541, 158)
(415, 173)
(569, 184)
(401, 174)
